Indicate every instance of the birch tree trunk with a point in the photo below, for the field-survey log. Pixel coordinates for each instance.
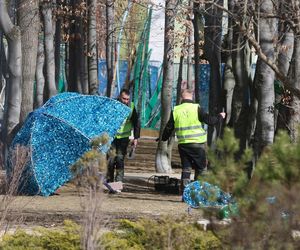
(163, 164)
(13, 87)
(92, 49)
(50, 86)
(29, 21)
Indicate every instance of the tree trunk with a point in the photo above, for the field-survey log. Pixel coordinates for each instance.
(241, 62)
(71, 54)
(83, 60)
(196, 22)
(29, 21)
(57, 41)
(110, 45)
(190, 33)
(67, 65)
(131, 58)
(179, 80)
(13, 87)
(264, 80)
(2, 55)
(229, 81)
(40, 79)
(294, 73)
(50, 86)
(241, 98)
(212, 52)
(283, 114)
(92, 49)
(163, 164)
(77, 60)
(3, 64)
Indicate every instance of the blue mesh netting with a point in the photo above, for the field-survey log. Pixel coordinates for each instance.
(59, 132)
(203, 194)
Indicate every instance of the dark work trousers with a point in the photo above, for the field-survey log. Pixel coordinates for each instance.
(191, 155)
(117, 161)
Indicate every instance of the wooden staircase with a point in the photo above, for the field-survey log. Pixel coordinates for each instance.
(144, 159)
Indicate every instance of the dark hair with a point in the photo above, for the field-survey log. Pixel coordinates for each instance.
(126, 91)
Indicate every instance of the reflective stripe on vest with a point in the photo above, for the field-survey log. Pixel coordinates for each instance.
(188, 128)
(125, 130)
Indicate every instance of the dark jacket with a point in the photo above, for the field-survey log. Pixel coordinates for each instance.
(202, 116)
(136, 124)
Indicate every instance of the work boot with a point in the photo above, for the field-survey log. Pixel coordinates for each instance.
(185, 178)
(183, 184)
(119, 175)
(110, 175)
(199, 173)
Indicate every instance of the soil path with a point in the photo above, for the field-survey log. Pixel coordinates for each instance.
(138, 198)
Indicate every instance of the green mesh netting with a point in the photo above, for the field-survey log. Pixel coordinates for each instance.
(141, 77)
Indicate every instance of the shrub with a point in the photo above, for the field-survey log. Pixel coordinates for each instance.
(166, 233)
(89, 179)
(269, 203)
(68, 238)
(227, 172)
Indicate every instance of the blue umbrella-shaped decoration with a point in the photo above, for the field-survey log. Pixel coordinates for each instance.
(59, 132)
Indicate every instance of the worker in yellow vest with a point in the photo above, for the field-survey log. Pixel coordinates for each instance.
(121, 141)
(187, 119)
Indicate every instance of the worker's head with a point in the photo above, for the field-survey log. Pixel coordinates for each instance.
(124, 96)
(187, 94)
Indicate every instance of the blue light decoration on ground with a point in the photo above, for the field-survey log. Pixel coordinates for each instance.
(59, 132)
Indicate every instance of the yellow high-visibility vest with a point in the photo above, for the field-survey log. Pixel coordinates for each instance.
(188, 128)
(125, 130)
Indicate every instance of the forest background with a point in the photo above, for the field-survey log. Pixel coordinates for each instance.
(39, 39)
(36, 35)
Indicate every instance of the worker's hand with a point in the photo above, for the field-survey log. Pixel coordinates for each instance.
(135, 142)
(223, 114)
